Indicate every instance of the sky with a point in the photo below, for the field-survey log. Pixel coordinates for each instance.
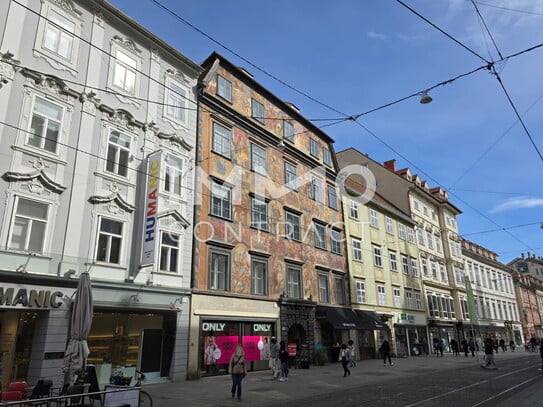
(343, 58)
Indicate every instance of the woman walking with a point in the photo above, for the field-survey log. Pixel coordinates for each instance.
(385, 352)
(344, 359)
(238, 370)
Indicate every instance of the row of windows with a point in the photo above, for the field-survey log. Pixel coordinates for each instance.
(491, 309)
(224, 90)
(485, 277)
(437, 270)
(396, 291)
(427, 238)
(441, 306)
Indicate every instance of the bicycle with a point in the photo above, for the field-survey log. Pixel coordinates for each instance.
(145, 398)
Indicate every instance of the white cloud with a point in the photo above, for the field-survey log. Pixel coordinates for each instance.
(517, 203)
(376, 36)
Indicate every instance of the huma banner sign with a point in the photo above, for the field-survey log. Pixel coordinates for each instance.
(150, 227)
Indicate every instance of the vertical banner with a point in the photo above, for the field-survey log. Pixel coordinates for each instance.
(150, 226)
(471, 303)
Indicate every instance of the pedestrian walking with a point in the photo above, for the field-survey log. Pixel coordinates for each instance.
(440, 347)
(454, 347)
(283, 359)
(385, 352)
(351, 356)
(489, 354)
(502, 344)
(472, 346)
(344, 359)
(274, 358)
(512, 345)
(238, 369)
(541, 354)
(465, 347)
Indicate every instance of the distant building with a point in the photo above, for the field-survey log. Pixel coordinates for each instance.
(529, 295)
(528, 264)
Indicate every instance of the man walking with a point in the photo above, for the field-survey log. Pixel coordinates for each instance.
(489, 354)
(274, 358)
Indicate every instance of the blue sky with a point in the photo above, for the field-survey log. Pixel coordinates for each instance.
(358, 55)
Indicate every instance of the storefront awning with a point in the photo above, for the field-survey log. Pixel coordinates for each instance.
(339, 318)
(370, 320)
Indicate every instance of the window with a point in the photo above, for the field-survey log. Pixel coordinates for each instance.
(442, 272)
(29, 225)
(410, 235)
(357, 249)
(424, 267)
(335, 241)
(397, 297)
(408, 299)
(381, 298)
(224, 88)
(420, 236)
(290, 175)
(401, 231)
(221, 200)
(340, 290)
(323, 288)
(288, 130)
(294, 282)
(258, 159)
(124, 72)
(59, 35)
(438, 244)
(118, 153)
(377, 256)
(360, 292)
(373, 218)
(405, 264)
(292, 226)
(434, 269)
(45, 125)
(416, 204)
(327, 157)
(389, 226)
(177, 96)
(258, 111)
(315, 191)
(314, 148)
(393, 261)
(173, 175)
(430, 239)
(332, 197)
(414, 267)
(109, 241)
(259, 276)
(219, 270)
(353, 209)
(222, 140)
(320, 235)
(418, 301)
(259, 214)
(169, 252)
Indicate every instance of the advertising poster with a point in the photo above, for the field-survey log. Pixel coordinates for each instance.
(226, 346)
(250, 347)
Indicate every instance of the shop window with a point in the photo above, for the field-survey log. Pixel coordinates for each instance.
(110, 239)
(29, 226)
(219, 270)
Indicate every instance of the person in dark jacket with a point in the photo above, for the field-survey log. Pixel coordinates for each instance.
(465, 347)
(385, 352)
(283, 358)
(489, 354)
(344, 359)
(238, 370)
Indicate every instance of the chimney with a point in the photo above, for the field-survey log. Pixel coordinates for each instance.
(522, 255)
(390, 165)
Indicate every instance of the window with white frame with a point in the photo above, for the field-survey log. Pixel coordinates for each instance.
(389, 225)
(327, 156)
(393, 261)
(224, 88)
(259, 213)
(410, 235)
(360, 292)
(401, 231)
(291, 172)
(315, 191)
(314, 148)
(259, 276)
(381, 297)
(59, 35)
(414, 267)
(408, 299)
(221, 200)
(169, 252)
(320, 235)
(335, 241)
(29, 226)
(405, 264)
(176, 101)
(222, 140)
(373, 218)
(416, 204)
(339, 283)
(324, 295)
(420, 236)
(332, 197)
(438, 244)
(288, 130)
(430, 239)
(110, 237)
(45, 125)
(357, 249)
(418, 301)
(292, 226)
(124, 72)
(397, 297)
(434, 269)
(294, 281)
(258, 159)
(442, 272)
(258, 111)
(118, 153)
(173, 175)
(353, 209)
(219, 269)
(377, 261)
(424, 264)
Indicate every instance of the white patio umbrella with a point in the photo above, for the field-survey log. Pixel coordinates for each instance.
(75, 357)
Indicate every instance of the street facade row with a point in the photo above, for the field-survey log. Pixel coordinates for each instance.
(210, 212)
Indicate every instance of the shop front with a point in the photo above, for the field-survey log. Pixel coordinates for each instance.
(441, 330)
(372, 325)
(411, 334)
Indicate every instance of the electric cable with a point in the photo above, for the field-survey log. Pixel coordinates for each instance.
(508, 8)
(486, 27)
(501, 229)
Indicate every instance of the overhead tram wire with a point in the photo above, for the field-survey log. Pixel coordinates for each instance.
(508, 8)
(486, 28)
(501, 229)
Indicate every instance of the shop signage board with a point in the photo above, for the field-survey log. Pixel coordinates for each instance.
(150, 227)
(23, 296)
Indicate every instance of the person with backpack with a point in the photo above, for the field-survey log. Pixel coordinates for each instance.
(238, 369)
(344, 359)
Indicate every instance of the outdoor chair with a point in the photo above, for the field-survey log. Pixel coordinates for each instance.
(12, 395)
(40, 391)
(18, 386)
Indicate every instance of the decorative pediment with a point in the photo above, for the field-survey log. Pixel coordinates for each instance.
(68, 5)
(121, 117)
(176, 216)
(177, 75)
(174, 138)
(39, 178)
(127, 43)
(113, 198)
(50, 83)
